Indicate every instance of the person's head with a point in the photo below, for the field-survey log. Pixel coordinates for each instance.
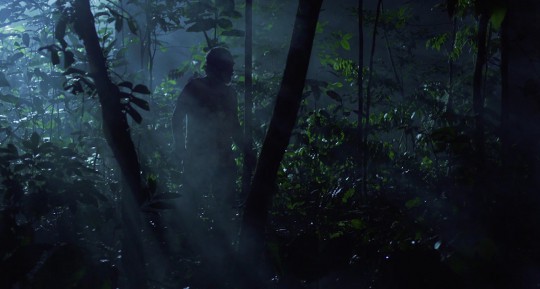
(219, 64)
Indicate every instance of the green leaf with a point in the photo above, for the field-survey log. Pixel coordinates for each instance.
(126, 84)
(140, 88)
(3, 80)
(140, 103)
(72, 70)
(334, 95)
(233, 33)
(34, 140)
(9, 98)
(231, 13)
(201, 25)
(152, 184)
(69, 59)
(55, 59)
(60, 31)
(345, 41)
(357, 224)
(15, 57)
(348, 194)
(118, 23)
(134, 114)
(12, 149)
(412, 203)
(224, 23)
(132, 25)
(497, 17)
(47, 147)
(26, 39)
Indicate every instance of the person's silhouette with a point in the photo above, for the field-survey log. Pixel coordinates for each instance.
(205, 125)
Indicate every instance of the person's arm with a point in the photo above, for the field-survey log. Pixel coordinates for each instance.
(179, 123)
(236, 129)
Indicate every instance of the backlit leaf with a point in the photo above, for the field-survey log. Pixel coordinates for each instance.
(34, 140)
(140, 103)
(497, 17)
(139, 88)
(69, 59)
(126, 84)
(55, 59)
(134, 114)
(132, 25)
(334, 95)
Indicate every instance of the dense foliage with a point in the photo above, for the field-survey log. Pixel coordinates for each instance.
(435, 200)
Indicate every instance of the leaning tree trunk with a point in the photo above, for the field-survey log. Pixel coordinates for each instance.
(117, 134)
(251, 247)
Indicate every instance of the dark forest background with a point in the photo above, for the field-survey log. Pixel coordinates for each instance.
(398, 147)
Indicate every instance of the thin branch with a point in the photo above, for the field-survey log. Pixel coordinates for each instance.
(368, 92)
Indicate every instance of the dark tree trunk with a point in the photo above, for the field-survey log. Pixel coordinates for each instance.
(505, 100)
(277, 137)
(117, 134)
(521, 89)
(115, 125)
(360, 126)
(249, 158)
(478, 95)
(450, 102)
(520, 122)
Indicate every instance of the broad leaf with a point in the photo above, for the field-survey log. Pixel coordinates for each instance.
(134, 114)
(233, 32)
(201, 25)
(3, 80)
(139, 88)
(9, 98)
(126, 84)
(69, 59)
(140, 103)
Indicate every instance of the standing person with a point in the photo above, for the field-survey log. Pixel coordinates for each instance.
(205, 125)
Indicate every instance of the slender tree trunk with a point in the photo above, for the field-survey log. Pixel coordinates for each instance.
(117, 134)
(478, 96)
(277, 138)
(399, 82)
(248, 102)
(450, 102)
(360, 127)
(368, 96)
(505, 100)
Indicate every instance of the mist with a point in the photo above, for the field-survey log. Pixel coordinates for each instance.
(269, 144)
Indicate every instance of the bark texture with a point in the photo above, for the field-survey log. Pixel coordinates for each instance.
(278, 136)
(117, 133)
